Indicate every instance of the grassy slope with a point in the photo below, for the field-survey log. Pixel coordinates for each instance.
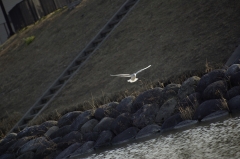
(27, 71)
(173, 36)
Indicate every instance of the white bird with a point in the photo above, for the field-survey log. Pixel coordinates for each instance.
(133, 76)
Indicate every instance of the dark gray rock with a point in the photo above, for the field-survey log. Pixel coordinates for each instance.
(188, 87)
(121, 123)
(91, 136)
(107, 110)
(61, 132)
(19, 143)
(7, 156)
(71, 138)
(145, 116)
(208, 107)
(104, 139)
(216, 115)
(85, 148)
(8, 138)
(234, 104)
(215, 90)
(68, 151)
(185, 124)
(80, 120)
(53, 155)
(51, 131)
(235, 79)
(148, 130)
(166, 110)
(32, 131)
(99, 113)
(27, 155)
(209, 78)
(57, 140)
(6, 146)
(104, 124)
(48, 124)
(234, 91)
(193, 101)
(68, 118)
(171, 122)
(88, 126)
(233, 69)
(37, 144)
(148, 97)
(125, 136)
(170, 91)
(125, 106)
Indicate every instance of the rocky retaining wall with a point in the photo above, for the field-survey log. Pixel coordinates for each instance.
(156, 110)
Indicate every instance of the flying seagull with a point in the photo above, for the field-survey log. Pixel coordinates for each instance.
(133, 76)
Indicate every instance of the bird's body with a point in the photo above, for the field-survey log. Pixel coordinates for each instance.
(133, 77)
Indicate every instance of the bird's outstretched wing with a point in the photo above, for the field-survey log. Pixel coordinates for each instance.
(122, 75)
(143, 69)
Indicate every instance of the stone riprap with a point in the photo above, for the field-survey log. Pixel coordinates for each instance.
(153, 111)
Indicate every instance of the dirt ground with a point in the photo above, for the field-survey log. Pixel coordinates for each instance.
(173, 36)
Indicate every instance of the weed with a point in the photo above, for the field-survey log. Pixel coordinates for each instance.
(29, 40)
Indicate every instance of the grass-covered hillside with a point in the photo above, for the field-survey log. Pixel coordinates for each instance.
(173, 36)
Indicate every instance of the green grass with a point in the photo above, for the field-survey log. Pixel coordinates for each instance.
(29, 40)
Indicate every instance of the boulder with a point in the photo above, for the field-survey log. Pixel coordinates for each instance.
(85, 148)
(148, 130)
(171, 122)
(125, 136)
(170, 91)
(88, 126)
(232, 70)
(36, 144)
(148, 97)
(215, 75)
(107, 110)
(68, 151)
(235, 79)
(71, 138)
(32, 131)
(121, 123)
(145, 116)
(91, 136)
(80, 120)
(8, 138)
(48, 124)
(19, 143)
(53, 154)
(57, 140)
(216, 115)
(125, 106)
(215, 90)
(27, 155)
(7, 156)
(61, 132)
(6, 146)
(99, 113)
(104, 124)
(193, 101)
(166, 110)
(234, 91)
(68, 118)
(234, 104)
(104, 139)
(208, 107)
(51, 131)
(188, 87)
(185, 123)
